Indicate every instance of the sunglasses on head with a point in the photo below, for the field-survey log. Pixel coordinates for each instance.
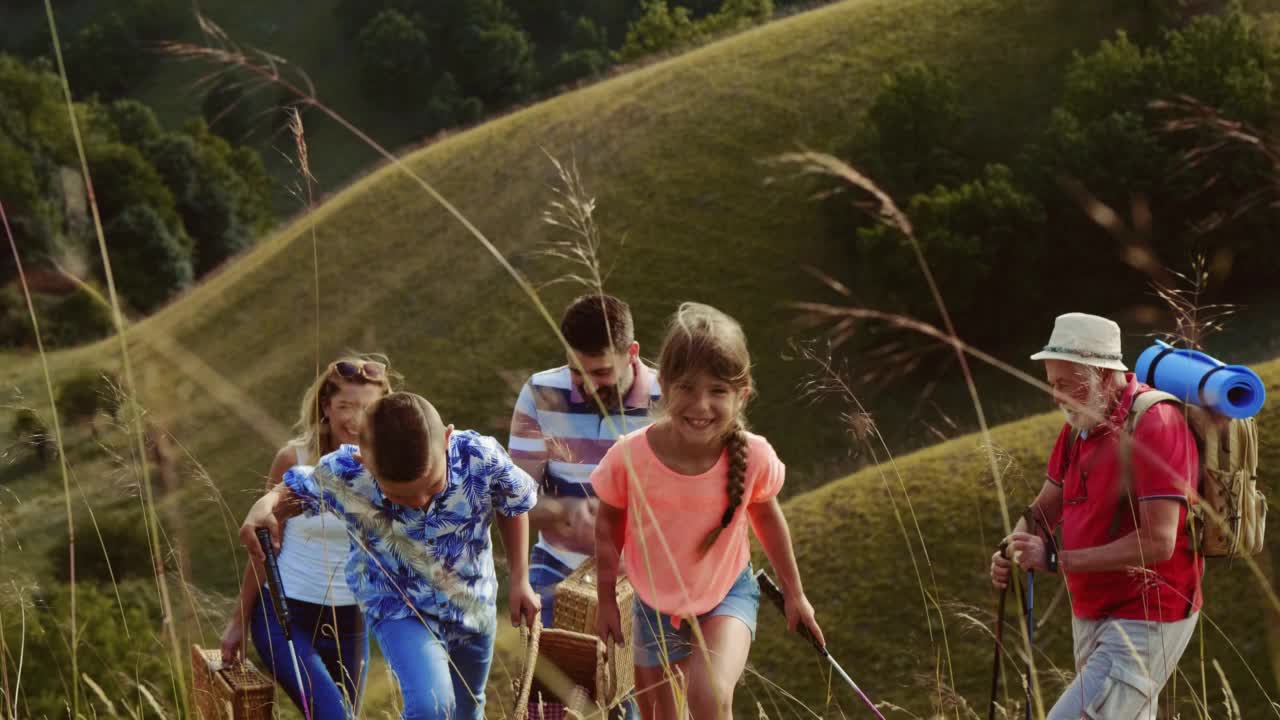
(367, 369)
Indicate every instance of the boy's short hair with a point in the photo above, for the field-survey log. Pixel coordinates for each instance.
(596, 324)
(403, 433)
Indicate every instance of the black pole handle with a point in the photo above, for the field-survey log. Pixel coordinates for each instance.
(274, 583)
(770, 590)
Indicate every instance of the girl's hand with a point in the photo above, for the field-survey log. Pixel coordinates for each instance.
(524, 603)
(609, 620)
(232, 639)
(799, 610)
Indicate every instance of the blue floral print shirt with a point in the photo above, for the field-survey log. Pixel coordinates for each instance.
(434, 562)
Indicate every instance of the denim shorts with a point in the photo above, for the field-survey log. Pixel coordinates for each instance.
(655, 635)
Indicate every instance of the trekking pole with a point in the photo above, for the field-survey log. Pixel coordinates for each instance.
(1031, 629)
(769, 588)
(999, 636)
(276, 585)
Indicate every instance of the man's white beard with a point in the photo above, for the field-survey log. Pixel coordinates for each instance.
(1093, 411)
(1079, 420)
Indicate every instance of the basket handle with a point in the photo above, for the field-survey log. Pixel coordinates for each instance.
(531, 638)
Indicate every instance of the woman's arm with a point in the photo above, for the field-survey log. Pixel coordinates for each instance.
(254, 572)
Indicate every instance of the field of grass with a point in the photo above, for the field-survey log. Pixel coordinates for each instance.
(672, 152)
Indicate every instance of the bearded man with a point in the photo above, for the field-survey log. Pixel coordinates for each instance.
(1120, 494)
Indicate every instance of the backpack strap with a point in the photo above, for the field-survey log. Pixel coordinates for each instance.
(1142, 402)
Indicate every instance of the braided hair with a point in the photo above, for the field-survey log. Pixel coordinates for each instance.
(736, 445)
(700, 338)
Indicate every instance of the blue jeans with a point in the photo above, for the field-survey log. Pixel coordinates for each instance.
(441, 675)
(332, 648)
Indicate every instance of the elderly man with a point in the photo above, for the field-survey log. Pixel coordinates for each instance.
(1121, 491)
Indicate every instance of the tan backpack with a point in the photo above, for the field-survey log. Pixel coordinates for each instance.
(1229, 517)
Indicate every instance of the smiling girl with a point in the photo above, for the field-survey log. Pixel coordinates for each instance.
(676, 499)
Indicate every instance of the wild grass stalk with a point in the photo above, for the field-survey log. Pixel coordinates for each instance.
(883, 208)
(62, 459)
(149, 508)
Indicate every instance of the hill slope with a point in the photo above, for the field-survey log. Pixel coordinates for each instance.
(671, 152)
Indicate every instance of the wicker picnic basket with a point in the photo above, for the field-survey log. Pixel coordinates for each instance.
(237, 692)
(564, 671)
(598, 676)
(575, 609)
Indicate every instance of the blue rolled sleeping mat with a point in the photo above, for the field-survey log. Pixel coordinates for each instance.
(1196, 378)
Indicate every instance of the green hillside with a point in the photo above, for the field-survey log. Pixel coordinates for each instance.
(672, 153)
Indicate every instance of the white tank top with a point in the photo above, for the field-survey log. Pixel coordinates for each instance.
(313, 556)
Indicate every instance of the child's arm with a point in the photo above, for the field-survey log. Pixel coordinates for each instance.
(610, 524)
(775, 536)
(514, 493)
(523, 601)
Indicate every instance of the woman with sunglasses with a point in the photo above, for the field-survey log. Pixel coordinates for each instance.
(328, 627)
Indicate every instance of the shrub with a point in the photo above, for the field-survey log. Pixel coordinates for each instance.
(149, 262)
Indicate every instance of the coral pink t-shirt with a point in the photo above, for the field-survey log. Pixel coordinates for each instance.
(669, 515)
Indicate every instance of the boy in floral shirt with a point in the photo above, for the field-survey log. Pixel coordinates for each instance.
(417, 498)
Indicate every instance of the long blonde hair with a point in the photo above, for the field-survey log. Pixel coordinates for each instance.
(312, 430)
(700, 338)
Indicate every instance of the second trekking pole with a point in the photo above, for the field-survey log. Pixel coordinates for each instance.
(998, 631)
(1031, 629)
(276, 586)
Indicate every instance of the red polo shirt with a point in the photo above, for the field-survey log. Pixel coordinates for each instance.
(1091, 485)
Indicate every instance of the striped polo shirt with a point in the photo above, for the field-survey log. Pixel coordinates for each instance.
(555, 424)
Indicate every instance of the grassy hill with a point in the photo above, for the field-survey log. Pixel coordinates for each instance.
(859, 575)
(672, 154)
(309, 40)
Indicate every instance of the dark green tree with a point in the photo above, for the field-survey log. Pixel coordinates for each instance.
(394, 58)
(149, 262)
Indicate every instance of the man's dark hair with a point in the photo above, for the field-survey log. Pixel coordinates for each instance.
(596, 324)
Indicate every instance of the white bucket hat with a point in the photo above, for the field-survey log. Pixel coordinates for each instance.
(1084, 339)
